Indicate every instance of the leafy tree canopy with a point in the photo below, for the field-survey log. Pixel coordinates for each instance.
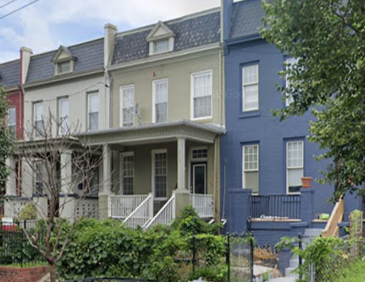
(328, 39)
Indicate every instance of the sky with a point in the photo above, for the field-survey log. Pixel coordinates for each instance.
(46, 24)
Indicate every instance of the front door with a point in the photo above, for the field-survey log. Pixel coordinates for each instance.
(199, 178)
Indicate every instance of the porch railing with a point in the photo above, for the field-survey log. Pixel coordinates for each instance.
(141, 215)
(166, 214)
(336, 217)
(203, 204)
(283, 206)
(120, 206)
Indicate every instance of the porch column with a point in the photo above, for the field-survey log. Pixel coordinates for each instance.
(104, 211)
(66, 172)
(11, 182)
(181, 164)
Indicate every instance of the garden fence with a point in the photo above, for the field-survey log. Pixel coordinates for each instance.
(90, 279)
(15, 249)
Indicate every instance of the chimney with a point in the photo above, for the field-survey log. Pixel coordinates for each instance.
(109, 38)
(226, 18)
(25, 54)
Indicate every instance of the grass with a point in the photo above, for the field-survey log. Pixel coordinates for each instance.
(355, 272)
(25, 265)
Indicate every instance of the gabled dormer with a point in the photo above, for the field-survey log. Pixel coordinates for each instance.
(161, 39)
(64, 61)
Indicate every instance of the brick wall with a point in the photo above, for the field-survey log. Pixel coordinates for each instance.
(28, 274)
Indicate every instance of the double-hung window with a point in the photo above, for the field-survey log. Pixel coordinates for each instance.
(251, 167)
(39, 177)
(12, 121)
(127, 105)
(250, 87)
(38, 119)
(161, 46)
(160, 98)
(127, 172)
(160, 174)
(93, 111)
(63, 113)
(289, 97)
(201, 95)
(294, 166)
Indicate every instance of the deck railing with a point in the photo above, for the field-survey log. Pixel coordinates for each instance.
(166, 214)
(275, 206)
(335, 218)
(203, 204)
(121, 206)
(141, 215)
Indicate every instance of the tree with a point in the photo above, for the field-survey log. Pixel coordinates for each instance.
(64, 172)
(6, 142)
(328, 39)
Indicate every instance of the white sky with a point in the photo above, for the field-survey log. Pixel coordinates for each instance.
(46, 24)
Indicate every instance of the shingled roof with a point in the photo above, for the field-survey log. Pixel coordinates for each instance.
(192, 31)
(10, 74)
(246, 18)
(89, 57)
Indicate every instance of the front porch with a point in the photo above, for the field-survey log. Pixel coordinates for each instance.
(151, 172)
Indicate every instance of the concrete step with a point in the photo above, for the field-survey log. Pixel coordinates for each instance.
(288, 272)
(283, 279)
(313, 232)
(294, 263)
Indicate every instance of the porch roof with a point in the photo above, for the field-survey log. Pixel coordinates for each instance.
(154, 133)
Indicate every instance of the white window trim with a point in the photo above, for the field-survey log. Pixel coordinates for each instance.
(287, 169)
(243, 166)
(206, 177)
(34, 117)
(154, 98)
(249, 84)
(12, 124)
(154, 152)
(89, 94)
(121, 158)
(59, 112)
(192, 94)
(121, 88)
(288, 96)
(171, 42)
(198, 159)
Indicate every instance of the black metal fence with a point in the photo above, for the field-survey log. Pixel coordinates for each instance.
(15, 250)
(276, 206)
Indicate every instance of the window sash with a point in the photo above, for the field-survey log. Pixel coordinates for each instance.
(38, 118)
(294, 165)
(127, 174)
(251, 167)
(161, 46)
(160, 175)
(202, 95)
(64, 67)
(160, 100)
(93, 110)
(63, 115)
(127, 107)
(12, 120)
(289, 98)
(250, 87)
(38, 177)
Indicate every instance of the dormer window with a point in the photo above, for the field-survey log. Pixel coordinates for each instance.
(161, 39)
(63, 60)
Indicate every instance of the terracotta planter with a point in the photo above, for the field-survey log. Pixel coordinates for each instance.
(307, 182)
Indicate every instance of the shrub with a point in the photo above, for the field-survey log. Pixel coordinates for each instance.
(29, 212)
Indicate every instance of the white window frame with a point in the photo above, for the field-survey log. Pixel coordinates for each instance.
(244, 109)
(154, 152)
(41, 176)
(62, 118)
(288, 97)
(90, 94)
(122, 156)
(244, 170)
(287, 168)
(12, 125)
(35, 120)
(198, 159)
(122, 106)
(154, 82)
(192, 95)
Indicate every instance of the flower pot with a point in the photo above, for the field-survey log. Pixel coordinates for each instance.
(307, 182)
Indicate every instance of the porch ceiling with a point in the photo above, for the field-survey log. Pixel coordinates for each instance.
(154, 133)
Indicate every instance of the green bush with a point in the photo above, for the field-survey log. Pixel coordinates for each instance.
(29, 212)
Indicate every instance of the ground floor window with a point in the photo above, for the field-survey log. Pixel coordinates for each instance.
(127, 173)
(250, 175)
(294, 166)
(159, 169)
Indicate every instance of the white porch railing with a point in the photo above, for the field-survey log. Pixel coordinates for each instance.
(121, 206)
(166, 214)
(141, 215)
(203, 204)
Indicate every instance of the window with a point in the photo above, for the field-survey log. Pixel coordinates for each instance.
(197, 154)
(251, 167)
(160, 174)
(127, 173)
(93, 109)
(38, 118)
(160, 93)
(161, 46)
(63, 113)
(289, 97)
(64, 67)
(39, 174)
(12, 121)
(127, 105)
(202, 95)
(250, 87)
(294, 166)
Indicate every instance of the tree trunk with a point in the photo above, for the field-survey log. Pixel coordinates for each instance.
(53, 273)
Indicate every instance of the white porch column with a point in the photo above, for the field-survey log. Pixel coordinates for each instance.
(66, 172)
(181, 164)
(107, 169)
(11, 182)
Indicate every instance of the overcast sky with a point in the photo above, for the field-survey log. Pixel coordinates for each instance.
(46, 24)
